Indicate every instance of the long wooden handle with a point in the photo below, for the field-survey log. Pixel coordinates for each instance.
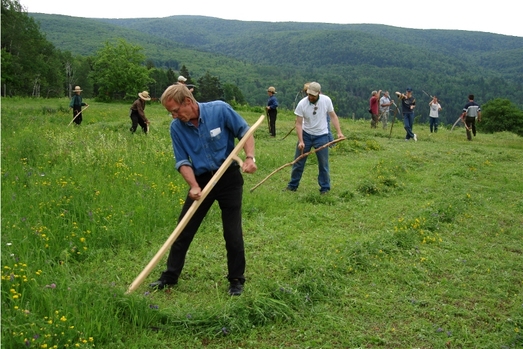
(77, 115)
(233, 156)
(303, 155)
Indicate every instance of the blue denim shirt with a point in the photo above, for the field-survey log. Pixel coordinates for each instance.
(206, 147)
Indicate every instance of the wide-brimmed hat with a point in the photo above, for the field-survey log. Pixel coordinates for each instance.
(144, 95)
(182, 78)
(271, 90)
(77, 89)
(314, 89)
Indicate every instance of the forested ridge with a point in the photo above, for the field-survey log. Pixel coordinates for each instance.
(348, 60)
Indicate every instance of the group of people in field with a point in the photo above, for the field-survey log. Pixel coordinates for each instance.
(203, 136)
(379, 108)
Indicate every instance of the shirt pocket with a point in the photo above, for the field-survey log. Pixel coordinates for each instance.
(217, 139)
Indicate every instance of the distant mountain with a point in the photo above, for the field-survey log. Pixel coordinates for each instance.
(349, 60)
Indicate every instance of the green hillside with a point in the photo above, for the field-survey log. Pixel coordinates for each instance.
(348, 60)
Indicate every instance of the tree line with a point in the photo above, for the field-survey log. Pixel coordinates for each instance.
(33, 66)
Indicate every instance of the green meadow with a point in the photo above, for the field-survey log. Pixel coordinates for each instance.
(418, 244)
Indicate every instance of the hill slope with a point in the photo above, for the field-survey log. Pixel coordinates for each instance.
(348, 60)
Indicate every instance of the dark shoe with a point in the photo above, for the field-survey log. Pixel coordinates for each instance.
(235, 288)
(324, 192)
(161, 284)
(289, 189)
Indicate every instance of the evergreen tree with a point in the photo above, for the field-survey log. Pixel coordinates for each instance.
(31, 65)
(209, 88)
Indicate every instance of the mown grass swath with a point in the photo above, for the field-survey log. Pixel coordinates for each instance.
(417, 244)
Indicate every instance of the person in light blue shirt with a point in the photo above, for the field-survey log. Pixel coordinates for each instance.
(203, 136)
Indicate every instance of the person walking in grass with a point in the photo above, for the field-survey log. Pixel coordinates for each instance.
(374, 108)
(76, 104)
(471, 112)
(435, 108)
(408, 103)
(385, 104)
(312, 131)
(203, 136)
(272, 110)
(137, 113)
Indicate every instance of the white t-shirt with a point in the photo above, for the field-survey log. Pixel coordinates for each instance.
(384, 100)
(315, 115)
(434, 107)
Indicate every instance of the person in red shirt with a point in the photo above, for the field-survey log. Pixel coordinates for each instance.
(374, 109)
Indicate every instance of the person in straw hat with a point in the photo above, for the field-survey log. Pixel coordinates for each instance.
(272, 110)
(137, 113)
(77, 104)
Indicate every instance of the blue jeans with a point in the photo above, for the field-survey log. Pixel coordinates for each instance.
(433, 124)
(408, 122)
(315, 142)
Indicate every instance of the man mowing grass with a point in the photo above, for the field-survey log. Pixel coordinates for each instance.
(203, 136)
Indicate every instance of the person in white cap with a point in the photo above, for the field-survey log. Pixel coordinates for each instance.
(77, 104)
(312, 130)
(183, 80)
(137, 113)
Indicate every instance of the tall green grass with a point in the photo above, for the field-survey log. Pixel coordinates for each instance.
(418, 245)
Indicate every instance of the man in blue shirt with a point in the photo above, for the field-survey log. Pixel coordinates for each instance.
(203, 136)
(272, 110)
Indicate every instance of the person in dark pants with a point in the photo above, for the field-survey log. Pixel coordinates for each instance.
(272, 110)
(471, 112)
(408, 103)
(137, 113)
(203, 136)
(77, 104)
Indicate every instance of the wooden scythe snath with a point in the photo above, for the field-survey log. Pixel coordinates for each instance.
(464, 123)
(297, 159)
(288, 133)
(80, 112)
(394, 118)
(233, 156)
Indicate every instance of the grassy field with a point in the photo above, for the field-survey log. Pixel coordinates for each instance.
(418, 244)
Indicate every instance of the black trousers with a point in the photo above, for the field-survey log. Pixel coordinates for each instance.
(471, 124)
(273, 113)
(78, 119)
(136, 120)
(228, 192)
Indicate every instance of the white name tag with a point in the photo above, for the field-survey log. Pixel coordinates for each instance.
(215, 132)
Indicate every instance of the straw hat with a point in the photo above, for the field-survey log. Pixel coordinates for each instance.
(271, 89)
(144, 95)
(77, 89)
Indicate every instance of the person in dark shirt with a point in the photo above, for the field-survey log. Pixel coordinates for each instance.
(76, 104)
(272, 110)
(137, 113)
(408, 103)
(471, 112)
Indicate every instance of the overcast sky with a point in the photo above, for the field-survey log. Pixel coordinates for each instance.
(500, 16)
